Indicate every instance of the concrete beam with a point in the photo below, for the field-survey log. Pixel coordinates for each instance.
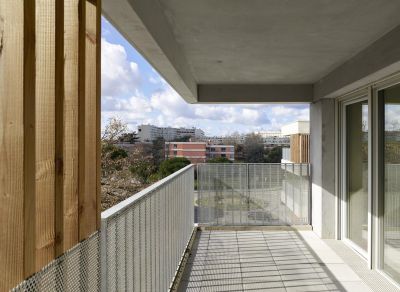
(255, 93)
(144, 25)
(380, 59)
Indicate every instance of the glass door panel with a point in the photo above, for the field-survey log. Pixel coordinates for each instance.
(357, 173)
(391, 200)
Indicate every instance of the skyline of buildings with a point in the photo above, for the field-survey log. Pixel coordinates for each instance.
(149, 133)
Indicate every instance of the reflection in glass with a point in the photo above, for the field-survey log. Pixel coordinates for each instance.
(391, 98)
(357, 173)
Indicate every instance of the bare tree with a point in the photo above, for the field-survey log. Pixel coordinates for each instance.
(113, 130)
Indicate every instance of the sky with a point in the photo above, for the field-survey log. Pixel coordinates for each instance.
(133, 91)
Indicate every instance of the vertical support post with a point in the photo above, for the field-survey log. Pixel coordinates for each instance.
(103, 256)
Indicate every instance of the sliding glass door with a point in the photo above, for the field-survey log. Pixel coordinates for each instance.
(390, 196)
(356, 174)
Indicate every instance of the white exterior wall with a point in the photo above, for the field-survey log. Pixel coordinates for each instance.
(299, 127)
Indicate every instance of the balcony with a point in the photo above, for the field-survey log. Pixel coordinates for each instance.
(273, 260)
(253, 234)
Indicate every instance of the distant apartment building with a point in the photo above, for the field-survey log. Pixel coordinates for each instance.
(274, 139)
(270, 138)
(220, 140)
(149, 133)
(198, 152)
(216, 151)
(299, 149)
(194, 151)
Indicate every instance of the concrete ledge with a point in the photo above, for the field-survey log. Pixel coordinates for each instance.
(255, 93)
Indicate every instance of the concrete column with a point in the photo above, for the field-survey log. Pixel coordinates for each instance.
(322, 156)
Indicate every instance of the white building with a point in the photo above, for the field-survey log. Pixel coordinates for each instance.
(148, 133)
(298, 127)
(219, 140)
(274, 138)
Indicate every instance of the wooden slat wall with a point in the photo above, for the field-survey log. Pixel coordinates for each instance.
(49, 131)
(300, 148)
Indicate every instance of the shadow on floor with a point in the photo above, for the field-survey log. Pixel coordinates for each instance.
(255, 261)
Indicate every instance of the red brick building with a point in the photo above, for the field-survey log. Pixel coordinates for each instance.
(198, 152)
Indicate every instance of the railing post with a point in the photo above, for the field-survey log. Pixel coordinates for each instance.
(309, 173)
(301, 189)
(248, 190)
(103, 256)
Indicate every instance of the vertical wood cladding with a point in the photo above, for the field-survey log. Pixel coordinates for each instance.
(49, 131)
(300, 148)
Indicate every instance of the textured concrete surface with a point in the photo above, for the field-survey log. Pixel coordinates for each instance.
(331, 45)
(275, 41)
(268, 261)
(322, 156)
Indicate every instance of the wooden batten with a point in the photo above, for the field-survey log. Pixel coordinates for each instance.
(29, 155)
(11, 142)
(45, 132)
(67, 126)
(88, 106)
(98, 112)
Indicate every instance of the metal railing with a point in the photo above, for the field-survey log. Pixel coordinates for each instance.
(253, 194)
(144, 237)
(78, 269)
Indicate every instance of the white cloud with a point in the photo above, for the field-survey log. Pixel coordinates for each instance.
(118, 74)
(172, 106)
(133, 104)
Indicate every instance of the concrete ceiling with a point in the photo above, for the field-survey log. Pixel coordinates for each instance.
(267, 43)
(262, 41)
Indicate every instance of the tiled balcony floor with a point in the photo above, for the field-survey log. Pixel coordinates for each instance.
(266, 261)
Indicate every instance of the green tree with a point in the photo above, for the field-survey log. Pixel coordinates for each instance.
(158, 151)
(239, 152)
(219, 160)
(274, 155)
(183, 139)
(130, 138)
(172, 165)
(253, 149)
(143, 170)
(118, 153)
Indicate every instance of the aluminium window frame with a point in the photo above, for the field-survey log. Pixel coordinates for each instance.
(343, 102)
(378, 178)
